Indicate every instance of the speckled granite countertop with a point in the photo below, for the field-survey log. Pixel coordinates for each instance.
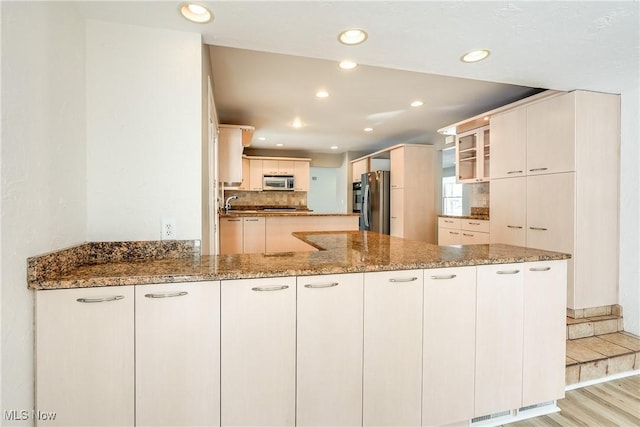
(341, 252)
(478, 217)
(267, 212)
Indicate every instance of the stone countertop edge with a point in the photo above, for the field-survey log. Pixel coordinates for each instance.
(478, 217)
(344, 252)
(240, 213)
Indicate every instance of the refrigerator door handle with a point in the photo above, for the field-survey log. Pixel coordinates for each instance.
(365, 206)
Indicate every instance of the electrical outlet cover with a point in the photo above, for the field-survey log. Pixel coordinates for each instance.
(168, 229)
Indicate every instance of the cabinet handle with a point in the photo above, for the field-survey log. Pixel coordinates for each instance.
(537, 169)
(233, 220)
(167, 295)
(540, 269)
(103, 299)
(321, 285)
(444, 277)
(507, 271)
(468, 235)
(453, 232)
(448, 222)
(402, 279)
(512, 172)
(538, 228)
(270, 288)
(515, 226)
(252, 220)
(473, 223)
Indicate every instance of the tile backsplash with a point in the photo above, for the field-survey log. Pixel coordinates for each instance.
(268, 198)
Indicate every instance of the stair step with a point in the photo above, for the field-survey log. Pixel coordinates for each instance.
(593, 326)
(603, 355)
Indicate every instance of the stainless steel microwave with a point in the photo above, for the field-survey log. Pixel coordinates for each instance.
(277, 183)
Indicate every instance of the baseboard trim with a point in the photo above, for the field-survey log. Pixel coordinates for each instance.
(602, 380)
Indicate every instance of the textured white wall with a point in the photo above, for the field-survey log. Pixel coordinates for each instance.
(143, 132)
(43, 167)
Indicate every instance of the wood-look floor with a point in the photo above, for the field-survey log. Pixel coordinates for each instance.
(609, 404)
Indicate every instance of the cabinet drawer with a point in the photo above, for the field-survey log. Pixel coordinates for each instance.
(474, 225)
(449, 222)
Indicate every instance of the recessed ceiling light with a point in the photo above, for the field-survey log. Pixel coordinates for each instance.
(262, 138)
(279, 145)
(334, 147)
(296, 123)
(352, 36)
(348, 65)
(475, 55)
(486, 118)
(195, 13)
(417, 103)
(368, 129)
(322, 93)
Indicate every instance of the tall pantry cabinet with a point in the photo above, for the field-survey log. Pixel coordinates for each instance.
(554, 186)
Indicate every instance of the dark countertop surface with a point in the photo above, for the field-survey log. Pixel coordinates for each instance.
(340, 252)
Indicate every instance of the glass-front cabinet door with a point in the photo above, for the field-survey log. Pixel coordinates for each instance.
(472, 155)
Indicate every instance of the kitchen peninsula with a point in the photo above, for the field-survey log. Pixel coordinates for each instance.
(358, 326)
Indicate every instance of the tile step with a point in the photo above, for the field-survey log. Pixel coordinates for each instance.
(599, 356)
(593, 326)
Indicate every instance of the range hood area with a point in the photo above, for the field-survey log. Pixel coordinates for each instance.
(231, 142)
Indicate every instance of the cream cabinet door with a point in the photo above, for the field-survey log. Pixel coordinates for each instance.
(449, 236)
(286, 167)
(301, 173)
(393, 348)
(329, 353)
(258, 352)
(253, 235)
(396, 212)
(270, 167)
(544, 351)
(246, 175)
(508, 211)
(508, 145)
(473, 237)
(499, 323)
(551, 135)
(255, 174)
(178, 354)
(551, 212)
(231, 235)
(397, 167)
(448, 394)
(358, 168)
(85, 356)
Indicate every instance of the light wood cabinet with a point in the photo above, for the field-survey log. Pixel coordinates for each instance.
(246, 175)
(258, 352)
(358, 168)
(255, 174)
(177, 329)
(499, 338)
(242, 235)
(462, 231)
(509, 211)
(329, 350)
(277, 167)
(544, 334)
(576, 135)
(231, 142)
(280, 229)
(509, 144)
(393, 348)
(448, 393)
(412, 169)
(301, 174)
(473, 155)
(85, 356)
(396, 212)
(231, 236)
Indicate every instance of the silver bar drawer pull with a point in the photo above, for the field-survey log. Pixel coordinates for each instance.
(468, 235)
(103, 299)
(538, 228)
(512, 172)
(167, 295)
(474, 223)
(453, 232)
(444, 277)
(515, 226)
(540, 269)
(402, 279)
(321, 285)
(537, 169)
(507, 271)
(270, 288)
(448, 222)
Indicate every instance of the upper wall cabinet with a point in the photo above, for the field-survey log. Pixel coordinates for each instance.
(359, 167)
(231, 142)
(472, 155)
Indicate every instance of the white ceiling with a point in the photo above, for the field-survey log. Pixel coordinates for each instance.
(412, 47)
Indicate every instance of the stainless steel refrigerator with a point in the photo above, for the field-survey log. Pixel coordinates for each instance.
(374, 215)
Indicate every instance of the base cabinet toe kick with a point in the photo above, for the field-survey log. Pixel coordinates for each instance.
(410, 347)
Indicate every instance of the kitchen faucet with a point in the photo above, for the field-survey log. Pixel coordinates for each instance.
(227, 204)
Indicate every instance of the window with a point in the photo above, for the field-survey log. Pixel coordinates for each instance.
(451, 196)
